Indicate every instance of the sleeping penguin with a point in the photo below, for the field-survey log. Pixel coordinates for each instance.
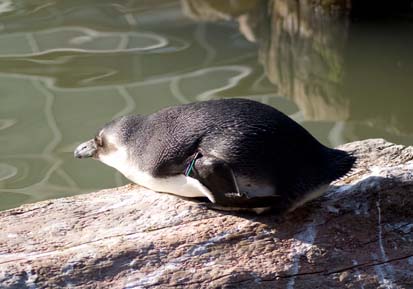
(237, 154)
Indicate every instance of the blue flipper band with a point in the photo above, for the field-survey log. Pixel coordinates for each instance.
(191, 165)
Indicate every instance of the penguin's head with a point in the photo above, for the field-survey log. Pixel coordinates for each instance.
(110, 140)
(104, 143)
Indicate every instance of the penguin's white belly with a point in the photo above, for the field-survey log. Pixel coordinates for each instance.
(180, 185)
(177, 185)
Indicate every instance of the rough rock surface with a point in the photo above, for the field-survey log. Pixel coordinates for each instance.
(359, 235)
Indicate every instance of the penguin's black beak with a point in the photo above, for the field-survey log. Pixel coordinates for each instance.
(86, 150)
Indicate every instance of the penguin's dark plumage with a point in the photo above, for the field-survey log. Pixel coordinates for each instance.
(238, 153)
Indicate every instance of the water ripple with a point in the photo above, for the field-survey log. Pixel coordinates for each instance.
(7, 171)
(6, 6)
(6, 123)
(81, 39)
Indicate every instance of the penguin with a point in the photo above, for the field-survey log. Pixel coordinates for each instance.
(235, 154)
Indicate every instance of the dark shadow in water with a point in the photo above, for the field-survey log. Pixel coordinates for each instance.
(344, 61)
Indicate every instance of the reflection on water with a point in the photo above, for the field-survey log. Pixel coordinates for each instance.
(341, 76)
(352, 67)
(72, 39)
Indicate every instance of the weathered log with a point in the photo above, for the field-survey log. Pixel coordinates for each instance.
(358, 235)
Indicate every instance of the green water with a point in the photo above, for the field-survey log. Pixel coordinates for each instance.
(67, 67)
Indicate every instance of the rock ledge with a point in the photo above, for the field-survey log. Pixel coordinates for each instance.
(359, 235)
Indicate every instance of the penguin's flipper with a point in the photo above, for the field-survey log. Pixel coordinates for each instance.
(217, 175)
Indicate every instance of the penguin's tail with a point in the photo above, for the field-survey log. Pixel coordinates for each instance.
(340, 163)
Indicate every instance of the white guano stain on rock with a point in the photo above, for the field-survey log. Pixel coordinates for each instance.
(367, 181)
(68, 267)
(151, 278)
(404, 227)
(300, 246)
(382, 275)
(388, 273)
(357, 274)
(31, 278)
(202, 248)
